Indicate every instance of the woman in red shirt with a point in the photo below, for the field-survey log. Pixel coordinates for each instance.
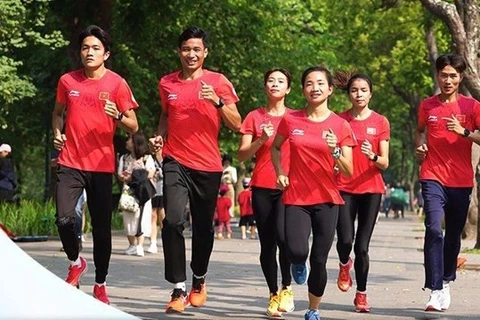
(362, 192)
(258, 130)
(319, 141)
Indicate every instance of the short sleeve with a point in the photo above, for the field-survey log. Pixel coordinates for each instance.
(476, 114)
(150, 163)
(385, 130)
(248, 125)
(347, 137)
(226, 91)
(120, 165)
(125, 99)
(61, 92)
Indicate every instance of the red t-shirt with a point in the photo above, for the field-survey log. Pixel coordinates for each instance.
(193, 122)
(449, 156)
(312, 179)
(264, 173)
(88, 129)
(245, 202)
(366, 178)
(223, 205)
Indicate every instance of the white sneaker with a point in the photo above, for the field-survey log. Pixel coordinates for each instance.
(152, 248)
(131, 251)
(435, 301)
(140, 252)
(446, 298)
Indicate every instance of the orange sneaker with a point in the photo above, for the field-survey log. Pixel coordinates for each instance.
(198, 294)
(344, 281)
(360, 302)
(178, 303)
(100, 293)
(76, 272)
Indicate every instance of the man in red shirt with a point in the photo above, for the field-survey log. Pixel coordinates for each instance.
(96, 100)
(446, 174)
(194, 101)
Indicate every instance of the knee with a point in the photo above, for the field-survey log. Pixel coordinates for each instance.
(66, 222)
(296, 255)
(360, 251)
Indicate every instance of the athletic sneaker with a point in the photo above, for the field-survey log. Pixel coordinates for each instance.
(344, 281)
(435, 301)
(273, 304)
(360, 302)
(286, 300)
(300, 273)
(100, 293)
(178, 302)
(76, 272)
(446, 298)
(198, 293)
(312, 315)
(131, 251)
(139, 251)
(152, 248)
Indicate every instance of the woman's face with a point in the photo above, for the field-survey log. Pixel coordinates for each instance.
(276, 86)
(316, 88)
(129, 144)
(359, 93)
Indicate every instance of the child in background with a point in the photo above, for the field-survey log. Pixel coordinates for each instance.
(223, 215)
(246, 210)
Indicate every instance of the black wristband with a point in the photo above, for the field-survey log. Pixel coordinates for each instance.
(466, 133)
(375, 158)
(120, 116)
(220, 104)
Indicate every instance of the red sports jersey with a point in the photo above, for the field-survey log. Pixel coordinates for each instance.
(312, 179)
(264, 173)
(367, 178)
(245, 202)
(223, 205)
(88, 129)
(193, 122)
(449, 156)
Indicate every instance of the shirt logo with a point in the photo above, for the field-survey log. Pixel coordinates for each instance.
(74, 93)
(324, 134)
(104, 96)
(432, 118)
(172, 96)
(298, 132)
(371, 130)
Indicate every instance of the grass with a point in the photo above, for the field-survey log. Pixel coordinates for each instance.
(471, 251)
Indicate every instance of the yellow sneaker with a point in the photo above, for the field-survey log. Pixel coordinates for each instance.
(286, 300)
(272, 309)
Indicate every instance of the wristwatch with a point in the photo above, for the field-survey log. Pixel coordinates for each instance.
(375, 158)
(466, 132)
(337, 153)
(220, 104)
(120, 116)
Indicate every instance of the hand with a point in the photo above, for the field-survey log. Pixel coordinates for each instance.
(421, 152)
(126, 175)
(454, 125)
(111, 109)
(59, 141)
(332, 140)
(209, 94)
(155, 144)
(282, 181)
(267, 132)
(366, 148)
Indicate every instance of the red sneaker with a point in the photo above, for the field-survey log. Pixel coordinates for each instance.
(76, 272)
(198, 293)
(178, 302)
(100, 293)
(360, 302)
(344, 281)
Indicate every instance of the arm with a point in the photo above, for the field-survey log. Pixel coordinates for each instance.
(344, 162)
(282, 179)
(422, 149)
(230, 116)
(162, 128)
(382, 157)
(57, 126)
(248, 148)
(129, 121)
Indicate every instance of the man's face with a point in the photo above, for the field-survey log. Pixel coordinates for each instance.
(192, 53)
(448, 80)
(3, 154)
(93, 53)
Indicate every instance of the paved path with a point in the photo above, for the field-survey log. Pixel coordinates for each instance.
(237, 289)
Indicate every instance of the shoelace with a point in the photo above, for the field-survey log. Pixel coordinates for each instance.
(361, 299)
(344, 273)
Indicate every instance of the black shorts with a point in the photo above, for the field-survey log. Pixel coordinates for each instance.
(157, 202)
(250, 220)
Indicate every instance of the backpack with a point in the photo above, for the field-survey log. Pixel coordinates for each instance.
(398, 196)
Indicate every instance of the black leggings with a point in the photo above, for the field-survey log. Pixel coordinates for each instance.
(269, 213)
(98, 185)
(367, 206)
(300, 221)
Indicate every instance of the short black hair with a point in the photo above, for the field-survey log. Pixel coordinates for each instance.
(454, 60)
(98, 33)
(140, 146)
(320, 68)
(195, 33)
(287, 74)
